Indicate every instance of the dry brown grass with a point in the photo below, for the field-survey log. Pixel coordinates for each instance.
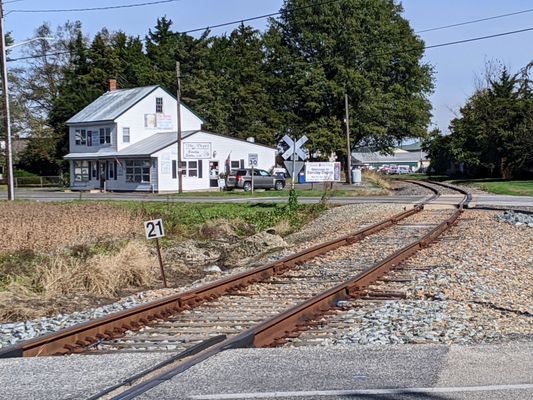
(45, 227)
(62, 280)
(99, 276)
(377, 179)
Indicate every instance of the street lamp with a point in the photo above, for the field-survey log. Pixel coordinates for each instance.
(5, 100)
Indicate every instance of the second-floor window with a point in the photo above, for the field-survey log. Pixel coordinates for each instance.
(81, 137)
(158, 104)
(105, 135)
(126, 135)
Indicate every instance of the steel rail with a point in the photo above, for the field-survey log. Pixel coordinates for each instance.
(296, 319)
(77, 338)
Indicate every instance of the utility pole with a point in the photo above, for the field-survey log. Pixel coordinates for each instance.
(178, 115)
(349, 154)
(7, 117)
(293, 162)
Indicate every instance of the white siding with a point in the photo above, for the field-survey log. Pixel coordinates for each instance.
(221, 147)
(134, 118)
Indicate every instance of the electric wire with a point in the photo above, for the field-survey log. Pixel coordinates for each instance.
(149, 3)
(425, 47)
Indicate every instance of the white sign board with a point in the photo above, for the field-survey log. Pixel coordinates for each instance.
(253, 159)
(221, 183)
(196, 151)
(322, 172)
(154, 229)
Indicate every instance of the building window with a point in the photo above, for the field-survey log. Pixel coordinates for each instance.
(138, 171)
(126, 135)
(235, 164)
(81, 137)
(105, 135)
(81, 171)
(192, 169)
(89, 138)
(158, 104)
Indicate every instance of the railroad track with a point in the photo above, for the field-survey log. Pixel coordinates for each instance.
(266, 306)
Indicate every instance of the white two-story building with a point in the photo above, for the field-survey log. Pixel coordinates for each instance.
(126, 140)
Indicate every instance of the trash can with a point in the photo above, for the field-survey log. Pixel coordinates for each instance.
(301, 177)
(356, 176)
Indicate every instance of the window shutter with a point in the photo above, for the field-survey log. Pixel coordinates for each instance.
(200, 164)
(242, 164)
(174, 169)
(90, 170)
(115, 169)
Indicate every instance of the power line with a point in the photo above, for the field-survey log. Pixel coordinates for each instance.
(476, 21)
(425, 47)
(260, 16)
(478, 38)
(149, 3)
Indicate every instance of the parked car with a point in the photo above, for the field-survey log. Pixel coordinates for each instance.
(242, 179)
(400, 170)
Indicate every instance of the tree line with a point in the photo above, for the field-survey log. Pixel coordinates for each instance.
(291, 78)
(493, 135)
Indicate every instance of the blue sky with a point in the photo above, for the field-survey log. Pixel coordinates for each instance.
(456, 67)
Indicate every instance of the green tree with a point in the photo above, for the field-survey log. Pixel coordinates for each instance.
(364, 48)
(494, 134)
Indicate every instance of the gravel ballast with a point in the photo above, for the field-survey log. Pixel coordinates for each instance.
(472, 286)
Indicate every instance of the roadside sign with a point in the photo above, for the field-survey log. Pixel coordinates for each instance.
(154, 229)
(295, 148)
(253, 159)
(322, 171)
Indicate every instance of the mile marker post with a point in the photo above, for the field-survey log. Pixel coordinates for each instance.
(154, 230)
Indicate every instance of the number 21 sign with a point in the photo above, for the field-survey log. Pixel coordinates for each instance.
(154, 229)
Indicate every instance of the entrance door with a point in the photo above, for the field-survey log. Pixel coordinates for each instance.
(103, 173)
(214, 173)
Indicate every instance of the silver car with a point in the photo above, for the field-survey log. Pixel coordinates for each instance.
(242, 179)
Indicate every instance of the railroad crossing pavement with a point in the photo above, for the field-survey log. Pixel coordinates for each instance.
(435, 372)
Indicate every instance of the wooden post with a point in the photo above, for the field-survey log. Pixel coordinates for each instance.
(178, 121)
(161, 262)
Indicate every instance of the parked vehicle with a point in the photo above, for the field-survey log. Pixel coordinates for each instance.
(242, 179)
(399, 170)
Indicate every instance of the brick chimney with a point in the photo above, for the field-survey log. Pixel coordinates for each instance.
(112, 85)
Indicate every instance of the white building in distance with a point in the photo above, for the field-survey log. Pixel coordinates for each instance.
(126, 140)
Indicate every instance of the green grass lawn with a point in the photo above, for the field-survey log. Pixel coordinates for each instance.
(352, 192)
(512, 188)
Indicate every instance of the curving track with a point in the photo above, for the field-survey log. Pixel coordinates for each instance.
(263, 307)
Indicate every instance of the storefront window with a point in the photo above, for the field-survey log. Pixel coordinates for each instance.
(81, 171)
(138, 171)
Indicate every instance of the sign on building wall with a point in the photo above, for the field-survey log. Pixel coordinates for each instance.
(196, 151)
(322, 172)
(157, 121)
(164, 121)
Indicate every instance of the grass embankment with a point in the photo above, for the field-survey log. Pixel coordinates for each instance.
(510, 188)
(61, 257)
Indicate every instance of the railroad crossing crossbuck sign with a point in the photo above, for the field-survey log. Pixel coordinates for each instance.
(295, 148)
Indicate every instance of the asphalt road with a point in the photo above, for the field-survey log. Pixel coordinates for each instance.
(435, 372)
(51, 196)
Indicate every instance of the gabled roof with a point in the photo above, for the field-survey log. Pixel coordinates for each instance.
(153, 144)
(111, 105)
(388, 159)
(148, 146)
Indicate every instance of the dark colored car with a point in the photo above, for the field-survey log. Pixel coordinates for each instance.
(242, 179)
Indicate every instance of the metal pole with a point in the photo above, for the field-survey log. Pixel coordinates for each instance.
(349, 154)
(293, 162)
(161, 262)
(5, 101)
(178, 115)
(252, 179)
